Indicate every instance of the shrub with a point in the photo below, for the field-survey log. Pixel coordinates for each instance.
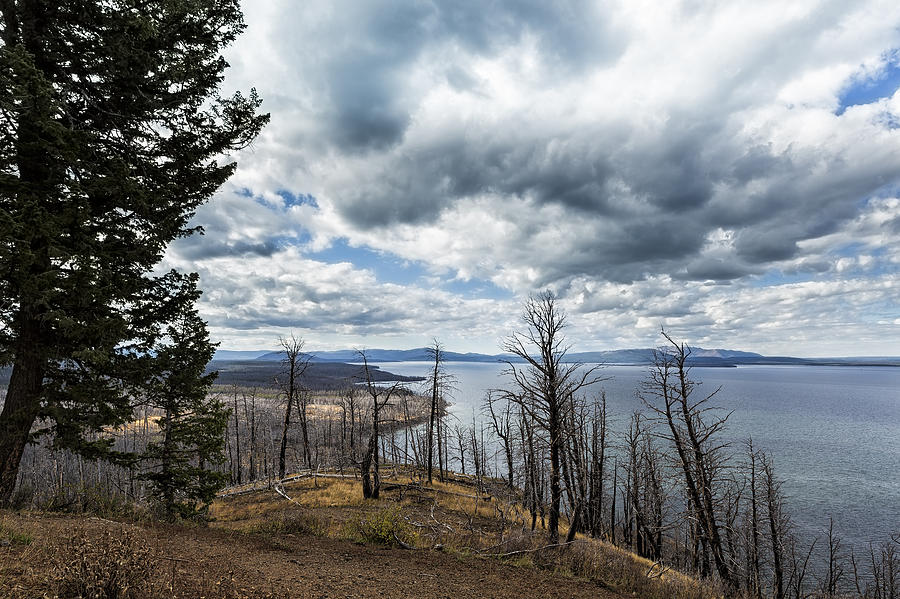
(119, 565)
(384, 527)
(108, 567)
(292, 523)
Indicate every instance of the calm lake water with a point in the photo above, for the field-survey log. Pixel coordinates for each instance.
(834, 432)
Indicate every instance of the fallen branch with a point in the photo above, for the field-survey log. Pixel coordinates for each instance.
(663, 570)
(263, 485)
(447, 526)
(280, 490)
(521, 551)
(401, 543)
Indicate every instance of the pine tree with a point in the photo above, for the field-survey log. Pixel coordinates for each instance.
(192, 423)
(112, 131)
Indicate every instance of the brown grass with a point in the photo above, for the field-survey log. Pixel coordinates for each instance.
(121, 560)
(454, 517)
(116, 562)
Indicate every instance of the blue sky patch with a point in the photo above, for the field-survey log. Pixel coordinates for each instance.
(778, 277)
(387, 267)
(477, 288)
(867, 91)
(301, 199)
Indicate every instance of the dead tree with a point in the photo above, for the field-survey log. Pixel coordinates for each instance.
(529, 460)
(440, 382)
(834, 573)
(778, 524)
(545, 385)
(349, 398)
(799, 566)
(302, 398)
(237, 436)
(460, 433)
(500, 424)
(598, 456)
(754, 571)
(295, 363)
(251, 420)
(370, 467)
(436, 351)
(669, 393)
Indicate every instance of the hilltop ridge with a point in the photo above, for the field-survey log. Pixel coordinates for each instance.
(700, 356)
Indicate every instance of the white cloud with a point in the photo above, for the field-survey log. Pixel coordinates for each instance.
(651, 162)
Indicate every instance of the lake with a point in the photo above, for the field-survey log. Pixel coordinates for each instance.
(834, 431)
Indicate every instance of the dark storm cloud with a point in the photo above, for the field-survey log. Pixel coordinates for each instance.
(198, 248)
(358, 56)
(893, 225)
(716, 269)
(318, 317)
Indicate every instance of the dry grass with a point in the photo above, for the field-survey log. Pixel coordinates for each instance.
(118, 562)
(454, 516)
(307, 493)
(611, 567)
(14, 535)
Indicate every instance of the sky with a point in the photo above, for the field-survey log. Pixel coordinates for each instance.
(727, 170)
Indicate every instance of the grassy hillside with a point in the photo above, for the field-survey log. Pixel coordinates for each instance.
(315, 536)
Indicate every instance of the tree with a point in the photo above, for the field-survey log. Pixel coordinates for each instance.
(192, 425)
(436, 352)
(294, 363)
(669, 393)
(546, 384)
(502, 427)
(111, 137)
(370, 467)
(439, 382)
(778, 524)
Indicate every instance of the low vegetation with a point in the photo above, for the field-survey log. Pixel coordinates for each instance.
(458, 517)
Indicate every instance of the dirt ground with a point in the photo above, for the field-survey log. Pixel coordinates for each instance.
(200, 561)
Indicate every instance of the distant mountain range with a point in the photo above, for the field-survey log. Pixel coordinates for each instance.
(699, 357)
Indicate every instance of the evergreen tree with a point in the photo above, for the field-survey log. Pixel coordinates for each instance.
(192, 423)
(112, 131)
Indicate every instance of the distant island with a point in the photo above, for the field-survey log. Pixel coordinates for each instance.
(724, 358)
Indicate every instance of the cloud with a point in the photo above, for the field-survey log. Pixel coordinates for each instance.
(677, 150)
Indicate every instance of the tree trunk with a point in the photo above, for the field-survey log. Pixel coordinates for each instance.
(431, 417)
(284, 433)
(555, 488)
(773, 510)
(166, 469)
(304, 427)
(237, 438)
(21, 407)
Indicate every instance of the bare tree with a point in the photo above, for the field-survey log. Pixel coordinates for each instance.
(834, 573)
(799, 566)
(598, 457)
(295, 363)
(778, 524)
(438, 380)
(754, 577)
(500, 424)
(545, 385)
(250, 419)
(371, 474)
(237, 436)
(461, 442)
(669, 392)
